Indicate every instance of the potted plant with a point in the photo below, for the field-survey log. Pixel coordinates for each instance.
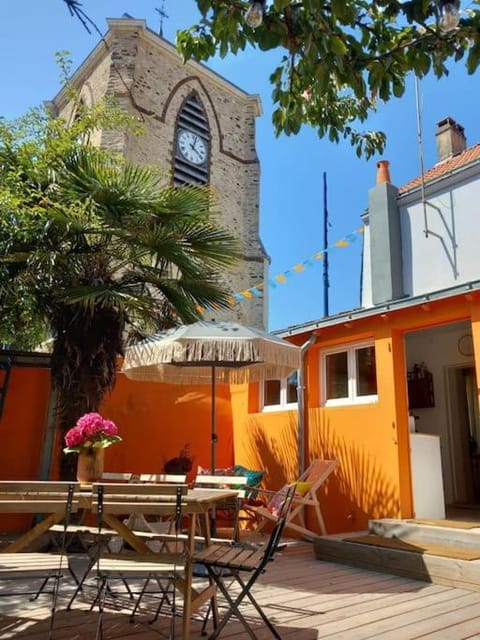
(89, 437)
(182, 463)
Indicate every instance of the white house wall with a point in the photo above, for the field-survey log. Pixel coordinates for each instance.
(449, 254)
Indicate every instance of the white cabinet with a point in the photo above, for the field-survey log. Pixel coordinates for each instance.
(427, 479)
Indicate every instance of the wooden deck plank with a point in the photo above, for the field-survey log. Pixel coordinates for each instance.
(438, 621)
(393, 623)
(465, 630)
(305, 598)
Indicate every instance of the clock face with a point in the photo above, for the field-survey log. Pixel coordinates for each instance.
(465, 345)
(192, 147)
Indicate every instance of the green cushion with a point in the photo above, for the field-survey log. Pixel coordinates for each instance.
(253, 478)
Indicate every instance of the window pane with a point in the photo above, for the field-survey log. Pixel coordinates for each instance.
(337, 375)
(292, 387)
(366, 371)
(271, 392)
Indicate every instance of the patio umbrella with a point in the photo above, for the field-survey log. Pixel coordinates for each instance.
(210, 352)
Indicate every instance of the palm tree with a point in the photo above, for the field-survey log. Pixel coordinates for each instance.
(103, 254)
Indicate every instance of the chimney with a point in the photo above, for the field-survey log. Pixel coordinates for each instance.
(450, 139)
(383, 172)
(386, 268)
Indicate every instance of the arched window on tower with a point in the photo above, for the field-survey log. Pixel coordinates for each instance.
(192, 144)
(83, 137)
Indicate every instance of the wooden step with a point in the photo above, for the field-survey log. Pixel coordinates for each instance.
(458, 534)
(455, 572)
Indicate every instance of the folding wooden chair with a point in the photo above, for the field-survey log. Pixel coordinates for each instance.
(307, 487)
(232, 507)
(56, 499)
(239, 559)
(163, 478)
(139, 523)
(83, 534)
(165, 569)
(120, 499)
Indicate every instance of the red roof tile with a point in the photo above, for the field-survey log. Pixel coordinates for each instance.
(443, 168)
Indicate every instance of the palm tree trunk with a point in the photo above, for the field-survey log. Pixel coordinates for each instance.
(83, 368)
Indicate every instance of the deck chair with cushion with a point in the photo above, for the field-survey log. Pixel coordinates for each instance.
(306, 490)
(243, 563)
(56, 501)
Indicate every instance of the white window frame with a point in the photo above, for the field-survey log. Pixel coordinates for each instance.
(283, 405)
(352, 398)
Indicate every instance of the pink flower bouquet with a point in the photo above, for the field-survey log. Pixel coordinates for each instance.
(91, 432)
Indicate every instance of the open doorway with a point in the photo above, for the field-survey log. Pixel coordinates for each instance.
(452, 410)
(464, 435)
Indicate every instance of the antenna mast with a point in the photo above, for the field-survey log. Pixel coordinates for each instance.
(420, 154)
(326, 283)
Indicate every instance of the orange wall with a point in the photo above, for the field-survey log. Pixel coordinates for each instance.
(370, 441)
(362, 437)
(22, 426)
(23, 423)
(156, 420)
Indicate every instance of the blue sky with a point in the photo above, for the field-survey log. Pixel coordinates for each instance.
(291, 199)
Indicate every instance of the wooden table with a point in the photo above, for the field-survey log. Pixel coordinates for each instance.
(197, 502)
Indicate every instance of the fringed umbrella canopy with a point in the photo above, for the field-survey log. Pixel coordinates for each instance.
(187, 354)
(208, 352)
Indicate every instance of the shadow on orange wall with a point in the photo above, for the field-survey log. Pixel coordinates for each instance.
(269, 441)
(363, 486)
(156, 420)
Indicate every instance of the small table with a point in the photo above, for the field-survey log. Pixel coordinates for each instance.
(195, 502)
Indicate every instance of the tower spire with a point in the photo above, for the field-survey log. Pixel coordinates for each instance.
(162, 15)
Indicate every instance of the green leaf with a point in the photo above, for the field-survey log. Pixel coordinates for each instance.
(204, 6)
(337, 46)
(281, 4)
(473, 59)
(339, 9)
(398, 87)
(363, 49)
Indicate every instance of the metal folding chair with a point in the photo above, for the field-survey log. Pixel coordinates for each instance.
(240, 559)
(163, 569)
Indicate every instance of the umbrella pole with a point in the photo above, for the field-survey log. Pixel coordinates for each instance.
(213, 442)
(213, 423)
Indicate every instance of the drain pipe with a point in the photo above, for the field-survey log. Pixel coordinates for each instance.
(302, 409)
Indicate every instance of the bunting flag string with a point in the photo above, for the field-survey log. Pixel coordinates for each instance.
(281, 278)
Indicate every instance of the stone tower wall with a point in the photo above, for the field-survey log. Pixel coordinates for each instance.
(148, 78)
